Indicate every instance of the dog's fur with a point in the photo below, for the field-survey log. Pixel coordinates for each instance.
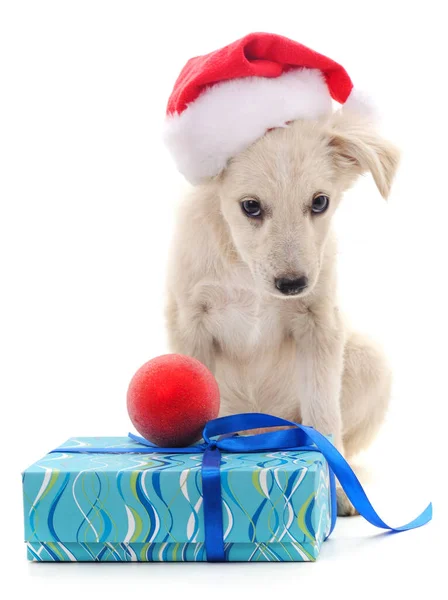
(291, 356)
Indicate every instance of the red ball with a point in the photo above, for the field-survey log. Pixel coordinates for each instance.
(171, 398)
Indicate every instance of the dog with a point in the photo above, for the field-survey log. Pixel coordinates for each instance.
(251, 288)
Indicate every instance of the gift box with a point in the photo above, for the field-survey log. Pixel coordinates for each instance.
(264, 497)
(121, 506)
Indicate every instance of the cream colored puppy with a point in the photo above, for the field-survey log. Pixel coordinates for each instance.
(252, 282)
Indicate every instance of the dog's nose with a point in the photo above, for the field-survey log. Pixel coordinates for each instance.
(290, 286)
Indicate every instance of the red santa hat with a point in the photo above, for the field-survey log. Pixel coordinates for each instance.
(224, 101)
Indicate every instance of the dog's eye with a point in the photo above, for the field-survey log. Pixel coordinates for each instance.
(251, 207)
(320, 204)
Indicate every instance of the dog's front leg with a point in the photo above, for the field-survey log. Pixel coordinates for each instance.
(319, 334)
(191, 329)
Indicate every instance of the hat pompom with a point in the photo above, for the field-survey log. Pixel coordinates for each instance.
(360, 103)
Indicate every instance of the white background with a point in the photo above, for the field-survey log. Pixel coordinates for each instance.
(88, 196)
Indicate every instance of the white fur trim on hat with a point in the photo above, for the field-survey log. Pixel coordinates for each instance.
(230, 116)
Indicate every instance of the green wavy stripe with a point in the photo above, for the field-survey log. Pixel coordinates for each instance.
(174, 551)
(101, 504)
(301, 517)
(138, 524)
(53, 478)
(143, 552)
(57, 551)
(137, 517)
(256, 482)
(274, 509)
(280, 498)
(254, 537)
(36, 515)
(93, 511)
(168, 509)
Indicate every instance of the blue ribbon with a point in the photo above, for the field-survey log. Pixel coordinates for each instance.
(219, 436)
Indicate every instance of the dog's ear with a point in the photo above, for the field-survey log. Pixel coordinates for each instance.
(357, 148)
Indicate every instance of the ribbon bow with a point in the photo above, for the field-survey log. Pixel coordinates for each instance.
(299, 437)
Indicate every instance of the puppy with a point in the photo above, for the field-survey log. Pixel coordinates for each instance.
(252, 281)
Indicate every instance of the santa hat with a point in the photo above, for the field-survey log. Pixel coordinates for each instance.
(224, 101)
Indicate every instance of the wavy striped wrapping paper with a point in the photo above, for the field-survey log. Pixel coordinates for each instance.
(148, 507)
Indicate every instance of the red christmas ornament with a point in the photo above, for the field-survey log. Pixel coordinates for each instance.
(171, 398)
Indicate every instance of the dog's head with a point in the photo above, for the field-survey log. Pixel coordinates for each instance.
(278, 197)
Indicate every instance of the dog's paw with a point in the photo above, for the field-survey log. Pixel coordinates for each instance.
(266, 429)
(345, 507)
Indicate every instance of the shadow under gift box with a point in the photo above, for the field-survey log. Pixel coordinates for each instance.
(149, 507)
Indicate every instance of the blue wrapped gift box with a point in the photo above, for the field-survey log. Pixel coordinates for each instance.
(276, 506)
(264, 497)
